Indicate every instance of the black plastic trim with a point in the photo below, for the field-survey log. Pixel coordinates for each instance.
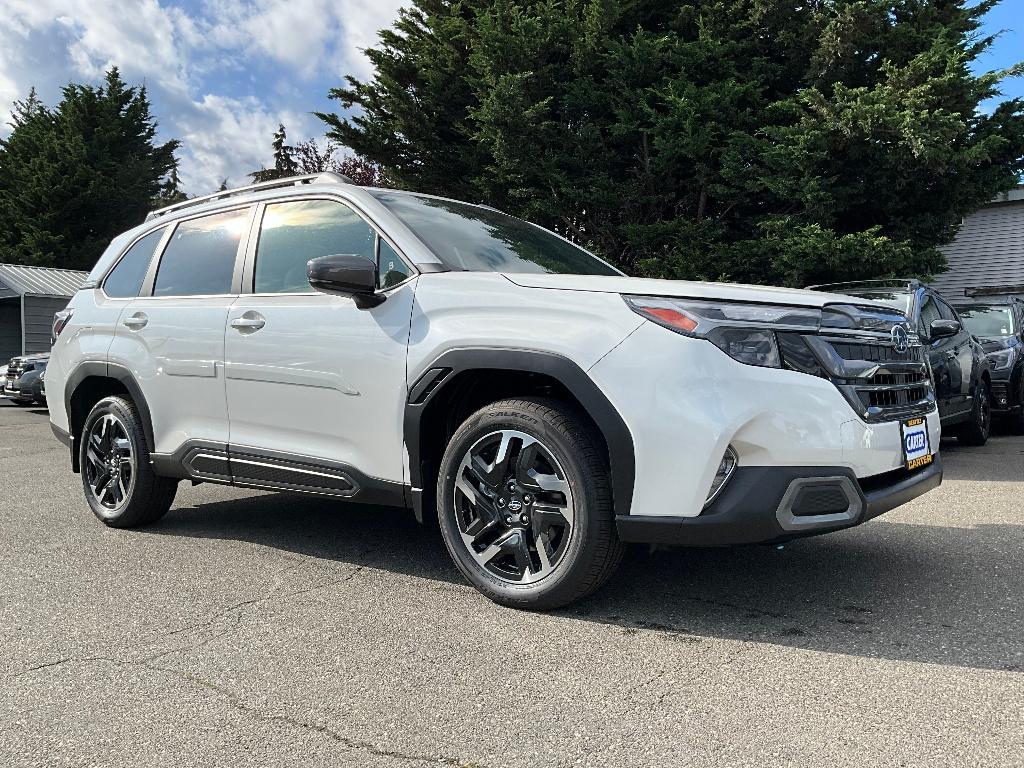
(566, 372)
(746, 512)
(93, 368)
(278, 470)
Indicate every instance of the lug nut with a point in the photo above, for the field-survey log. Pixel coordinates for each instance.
(524, 519)
(508, 519)
(527, 499)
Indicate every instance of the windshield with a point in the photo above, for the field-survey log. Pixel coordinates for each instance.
(901, 300)
(471, 238)
(988, 322)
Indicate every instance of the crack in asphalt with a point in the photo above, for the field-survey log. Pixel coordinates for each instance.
(236, 702)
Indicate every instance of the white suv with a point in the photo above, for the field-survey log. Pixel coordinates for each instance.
(394, 348)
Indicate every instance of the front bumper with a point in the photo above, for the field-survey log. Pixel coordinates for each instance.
(768, 505)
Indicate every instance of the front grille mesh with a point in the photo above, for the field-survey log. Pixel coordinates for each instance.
(880, 383)
(875, 353)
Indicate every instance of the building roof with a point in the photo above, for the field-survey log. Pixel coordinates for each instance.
(20, 280)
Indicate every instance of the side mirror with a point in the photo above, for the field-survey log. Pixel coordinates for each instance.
(940, 329)
(346, 274)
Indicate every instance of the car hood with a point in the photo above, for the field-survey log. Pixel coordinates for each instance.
(686, 289)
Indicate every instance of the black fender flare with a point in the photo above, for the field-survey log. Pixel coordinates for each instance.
(444, 369)
(98, 369)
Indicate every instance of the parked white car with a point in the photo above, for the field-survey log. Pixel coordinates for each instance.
(393, 348)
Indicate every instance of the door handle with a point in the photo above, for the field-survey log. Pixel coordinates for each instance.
(136, 322)
(250, 321)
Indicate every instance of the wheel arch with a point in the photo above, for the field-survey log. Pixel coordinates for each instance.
(461, 380)
(89, 383)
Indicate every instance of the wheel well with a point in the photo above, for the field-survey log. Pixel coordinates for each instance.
(89, 391)
(464, 394)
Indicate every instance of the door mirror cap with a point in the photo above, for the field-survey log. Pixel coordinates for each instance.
(346, 274)
(941, 329)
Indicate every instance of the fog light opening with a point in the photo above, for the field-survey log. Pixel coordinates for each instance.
(726, 467)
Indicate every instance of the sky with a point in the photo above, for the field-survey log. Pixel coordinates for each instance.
(221, 74)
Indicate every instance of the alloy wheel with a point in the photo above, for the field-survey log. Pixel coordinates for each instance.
(514, 507)
(110, 461)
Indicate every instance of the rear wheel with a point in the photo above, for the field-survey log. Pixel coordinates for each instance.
(119, 482)
(525, 504)
(977, 430)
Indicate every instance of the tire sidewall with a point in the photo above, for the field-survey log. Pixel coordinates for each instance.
(477, 426)
(120, 409)
(983, 399)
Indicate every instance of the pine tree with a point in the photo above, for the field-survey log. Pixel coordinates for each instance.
(784, 142)
(73, 177)
(284, 159)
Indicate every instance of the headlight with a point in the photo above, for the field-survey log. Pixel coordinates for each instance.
(745, 332)
(1002, 359)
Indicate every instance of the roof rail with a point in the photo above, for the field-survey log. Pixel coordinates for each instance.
(327, 177)
(905, 284)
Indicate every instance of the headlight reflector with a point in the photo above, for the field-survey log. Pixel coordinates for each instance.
(1002, 359)
(745, 332)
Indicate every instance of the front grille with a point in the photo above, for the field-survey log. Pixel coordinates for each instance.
(876, 353)
(1000, 394)
(879, 382)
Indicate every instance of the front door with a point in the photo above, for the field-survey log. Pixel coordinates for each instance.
(316, 385)
(941, 357)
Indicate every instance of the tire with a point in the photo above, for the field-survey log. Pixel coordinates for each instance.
(119, 483)
(977, 430)
(535, 531)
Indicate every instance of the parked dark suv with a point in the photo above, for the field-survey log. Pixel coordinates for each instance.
(21, 380)
(960, 368)
(998, 322)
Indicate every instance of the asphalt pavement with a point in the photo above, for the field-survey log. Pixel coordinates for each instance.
(253, 629)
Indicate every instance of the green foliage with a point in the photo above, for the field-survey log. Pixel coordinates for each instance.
(74, 176)
(284, 159)
(772, 141)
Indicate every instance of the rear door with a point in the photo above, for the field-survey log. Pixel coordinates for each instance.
(171, 337)
(316, 385)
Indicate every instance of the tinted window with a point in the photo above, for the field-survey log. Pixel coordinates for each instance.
(988, 322)
(391, 269)
(468, 237)
(295, 232)
(901, 300)
(945, 311)
(200, 258)
(126, 279)
(929, 314)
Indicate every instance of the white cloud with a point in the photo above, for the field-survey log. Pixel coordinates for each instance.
(221, 76)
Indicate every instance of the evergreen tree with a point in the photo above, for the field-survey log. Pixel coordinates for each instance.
(73, 177)
(284, 159)
(784, 142)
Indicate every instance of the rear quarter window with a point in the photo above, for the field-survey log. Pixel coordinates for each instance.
(125, 281)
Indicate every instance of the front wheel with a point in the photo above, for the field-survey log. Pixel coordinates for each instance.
(977, 430)
(119, 482)
(525, 504)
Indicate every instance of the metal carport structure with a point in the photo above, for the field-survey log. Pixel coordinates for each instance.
(29, 298)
